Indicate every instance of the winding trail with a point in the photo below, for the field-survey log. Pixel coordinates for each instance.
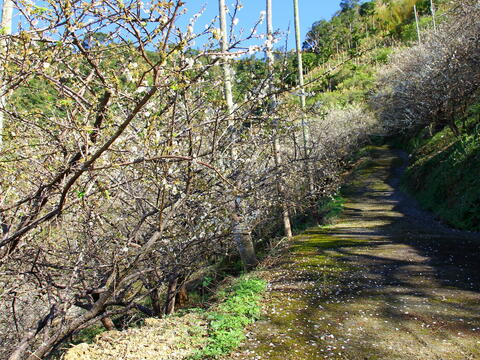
(385, 282)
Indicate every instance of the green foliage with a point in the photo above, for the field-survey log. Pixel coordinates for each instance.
(88, 335)
(344, 32)
(381, 55)
(39, 97)
(443, 175)
(352, 29)
(349, 85)
(310, 61)
(327, 210)
(240, 308)
(331, 208)
(207, 280)
(408, 32)
(249, 72)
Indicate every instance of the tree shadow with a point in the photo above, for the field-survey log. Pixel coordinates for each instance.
(415, 282)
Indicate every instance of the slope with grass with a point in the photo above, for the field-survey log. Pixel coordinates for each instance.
(444, 172)
(385, 282)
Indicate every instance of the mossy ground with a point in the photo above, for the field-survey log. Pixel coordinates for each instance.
(378, 284)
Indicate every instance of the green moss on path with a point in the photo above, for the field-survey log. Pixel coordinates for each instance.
(381, 283)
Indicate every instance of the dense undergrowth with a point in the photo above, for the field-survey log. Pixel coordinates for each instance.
(443, 172)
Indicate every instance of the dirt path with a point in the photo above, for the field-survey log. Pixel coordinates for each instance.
(385, 282)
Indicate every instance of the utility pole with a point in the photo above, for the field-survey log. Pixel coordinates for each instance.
(240, 231)
(432, 9)
(418, 26)
(301, 84)
(7, 12)
(273, 104)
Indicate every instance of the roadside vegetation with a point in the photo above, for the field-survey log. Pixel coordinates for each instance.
(239, 308)
(138, 167)
(193, 333)
(443, 172)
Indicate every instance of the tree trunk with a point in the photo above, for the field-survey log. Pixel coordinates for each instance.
(287, 227)
(108, 323)
(171, 292)
(156, 306)
(46, 347)
(182, 296)
(454, 128)
(243, 240)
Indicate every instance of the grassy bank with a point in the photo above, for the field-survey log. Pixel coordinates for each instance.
(444, 172)
(227, 321)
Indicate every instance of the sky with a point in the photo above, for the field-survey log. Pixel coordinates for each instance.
(310, 11)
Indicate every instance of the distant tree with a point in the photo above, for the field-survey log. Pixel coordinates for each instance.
(347, 5)
(320, 39)
(412, 95)
(367, 8)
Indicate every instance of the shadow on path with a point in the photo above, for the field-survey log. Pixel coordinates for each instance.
(386, 282)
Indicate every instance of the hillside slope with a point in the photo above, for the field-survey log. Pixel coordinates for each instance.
(444, 172)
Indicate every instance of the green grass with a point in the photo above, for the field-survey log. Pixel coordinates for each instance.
(326, 211)
(89, 334)
(331, 208)
(241, 306)
(444, 174)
